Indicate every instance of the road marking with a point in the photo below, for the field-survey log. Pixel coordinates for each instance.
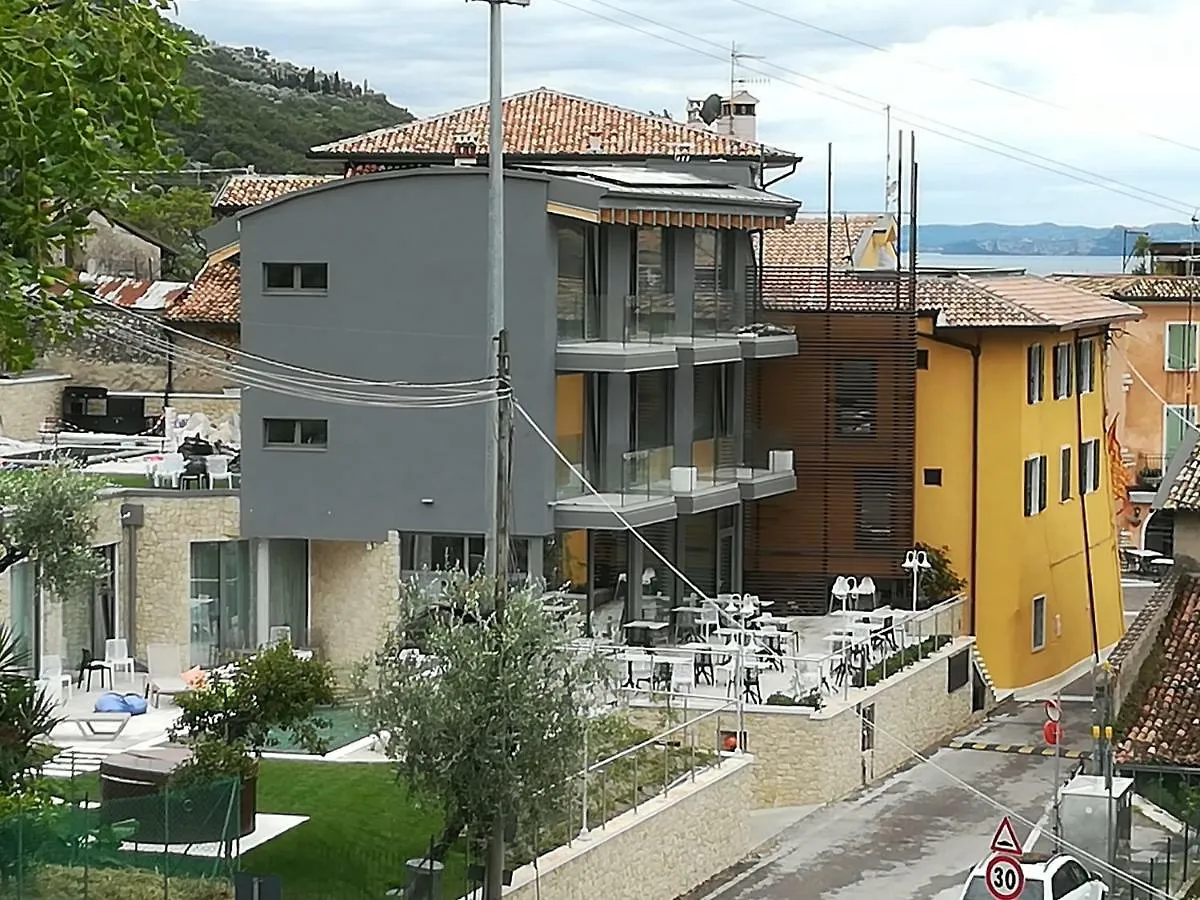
(1021, 749)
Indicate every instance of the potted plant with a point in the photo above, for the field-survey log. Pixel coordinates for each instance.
(238, 713)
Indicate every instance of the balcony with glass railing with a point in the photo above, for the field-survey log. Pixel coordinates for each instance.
(767, 468)
(642, 497)
(649, 318)
(646, 474)
(716, 313)
(578, 308)
(567, 483)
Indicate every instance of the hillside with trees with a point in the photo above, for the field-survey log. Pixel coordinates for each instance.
(255, 110)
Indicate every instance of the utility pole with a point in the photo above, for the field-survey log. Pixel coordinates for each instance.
(499, 444)
(1102, 755)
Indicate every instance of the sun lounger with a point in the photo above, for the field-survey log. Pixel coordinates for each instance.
(87, 723)
(163, 661)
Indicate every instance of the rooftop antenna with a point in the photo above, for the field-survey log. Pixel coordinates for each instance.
(736, 56)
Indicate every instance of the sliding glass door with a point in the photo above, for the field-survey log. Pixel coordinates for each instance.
(222, 615)
(288, 579)
(23, 608)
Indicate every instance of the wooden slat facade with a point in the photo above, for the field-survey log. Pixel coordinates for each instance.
(846, 406)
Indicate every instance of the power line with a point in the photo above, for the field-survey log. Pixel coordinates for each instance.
(873, 105)
(946, 70)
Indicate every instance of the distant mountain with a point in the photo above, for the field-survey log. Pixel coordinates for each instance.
(1043, 239)
(259, 111)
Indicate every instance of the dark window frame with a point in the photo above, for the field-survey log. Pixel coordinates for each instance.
(932, 477)
(1063, 373)
(856, 398)
(922, 359)
(1035, 374)
(297, 283)
(298, 428)
(1066, 478)
(873, 516)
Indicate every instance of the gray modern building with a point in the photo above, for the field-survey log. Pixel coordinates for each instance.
(631, 334)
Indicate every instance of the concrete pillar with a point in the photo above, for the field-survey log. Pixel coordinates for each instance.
(684, 416)
(683, 277)
(262, 589)
(614, 442)
(738, 413)
(616, 240)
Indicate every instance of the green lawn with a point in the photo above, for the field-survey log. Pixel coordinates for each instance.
(363, 829)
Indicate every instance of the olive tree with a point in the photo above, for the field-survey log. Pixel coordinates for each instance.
(483, 717)
(47, 516)
(82, 88)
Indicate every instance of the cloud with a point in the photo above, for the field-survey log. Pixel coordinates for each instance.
(1101, 68)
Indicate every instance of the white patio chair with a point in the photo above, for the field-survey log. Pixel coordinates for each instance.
(117, 659)
(218, 470)
(166, 672)
(170, 470)
(683, 675)
(709, 621)
(279, 634)
(53, 675)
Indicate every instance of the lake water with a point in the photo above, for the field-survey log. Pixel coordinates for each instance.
(1035, 265)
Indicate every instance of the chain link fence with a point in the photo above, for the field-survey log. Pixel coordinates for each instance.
(177, 844)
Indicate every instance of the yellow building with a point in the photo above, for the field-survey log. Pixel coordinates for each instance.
(1011, 451)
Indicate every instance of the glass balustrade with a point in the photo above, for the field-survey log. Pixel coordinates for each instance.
(646, 474)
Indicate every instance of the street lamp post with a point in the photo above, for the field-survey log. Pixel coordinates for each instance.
(917, 563)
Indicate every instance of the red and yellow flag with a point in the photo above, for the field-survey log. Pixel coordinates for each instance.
(1116, 465)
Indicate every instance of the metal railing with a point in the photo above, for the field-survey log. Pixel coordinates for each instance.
(1148, 470)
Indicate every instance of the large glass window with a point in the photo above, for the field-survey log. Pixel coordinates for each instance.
(570, 394)
(222, 615)
(652, 407)
(577, 297)
(24, 609)
(89, 619)
(288, 580)
(855, 397)
(441, 552)
(651, 313)
(712, 411)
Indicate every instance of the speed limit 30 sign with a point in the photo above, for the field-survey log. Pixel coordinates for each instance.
(1005, 878)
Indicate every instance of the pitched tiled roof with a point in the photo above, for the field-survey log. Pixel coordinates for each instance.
(1136, 287)
(1184, 492)
(244, 191)
(542, 123)
(803, 242)
(1023, 300)
(215, 295)
(1166, 730)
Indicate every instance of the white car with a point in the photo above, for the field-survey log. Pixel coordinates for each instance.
(1057, 877)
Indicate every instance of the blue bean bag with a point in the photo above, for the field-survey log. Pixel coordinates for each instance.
(134, 704)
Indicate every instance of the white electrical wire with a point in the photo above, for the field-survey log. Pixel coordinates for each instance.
(327, 376)
(1153, 393)
(304, 390)
(1013, 814)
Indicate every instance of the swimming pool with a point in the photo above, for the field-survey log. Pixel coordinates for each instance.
(344, 727)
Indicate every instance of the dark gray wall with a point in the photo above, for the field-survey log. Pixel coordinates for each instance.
(407, 300)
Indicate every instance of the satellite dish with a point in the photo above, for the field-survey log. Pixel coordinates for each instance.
(710, 110)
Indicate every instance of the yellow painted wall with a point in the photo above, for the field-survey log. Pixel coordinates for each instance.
(1019, 557)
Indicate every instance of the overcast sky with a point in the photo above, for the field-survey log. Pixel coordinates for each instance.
(1111, 77)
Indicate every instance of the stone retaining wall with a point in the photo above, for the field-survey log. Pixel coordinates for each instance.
(668, 847)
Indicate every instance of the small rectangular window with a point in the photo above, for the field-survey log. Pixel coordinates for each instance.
(1085, 365)
(1089, 467)
(1039, 623)
(311, 433)
(1064, 475)
(1177, 422)
(1035, 485)
(1064, 376)
(278, 276)
(1180, 347)
(922, 359)
(296, 277)
(933, 477)
(1035, 374)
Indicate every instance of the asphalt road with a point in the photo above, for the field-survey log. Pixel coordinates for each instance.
(913, 837)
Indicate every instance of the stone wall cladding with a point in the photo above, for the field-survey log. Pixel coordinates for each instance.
(28, 401)
(173, 521)
(1131, 651)
(669, 847)
(804, 757)
(113, 357)
(353, 596)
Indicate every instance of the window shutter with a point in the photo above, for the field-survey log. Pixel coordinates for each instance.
(1068, 369)
(1030, 385)
(1095, 465)
(1041, 483)
(1064, 476)
(1055, 366)
(1084, 451)
(1029, 487)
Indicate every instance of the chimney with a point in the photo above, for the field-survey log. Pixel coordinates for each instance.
(466, 149)
(739, 117)
(596, 142)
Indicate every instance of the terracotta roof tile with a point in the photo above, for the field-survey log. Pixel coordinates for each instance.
(803, 242)
(244, 191)
(1166, 731)
(1136, 287)
(1184, 492)
(215, 295)
(544, 123)
(1034, 301)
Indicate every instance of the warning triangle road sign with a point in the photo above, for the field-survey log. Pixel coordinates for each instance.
(1005, 839)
